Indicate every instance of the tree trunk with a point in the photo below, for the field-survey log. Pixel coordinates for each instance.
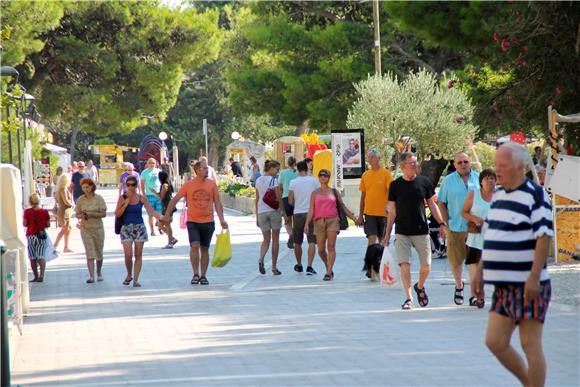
(213, 157)
(433, 169)
(73, 142)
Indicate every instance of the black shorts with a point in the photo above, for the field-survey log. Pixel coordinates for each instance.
(375, 225)
(473, 255)
(288, 209)
(200, 233)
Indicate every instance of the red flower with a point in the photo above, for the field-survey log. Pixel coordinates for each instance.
(504, 45)
(525, 49)
(451, 83)
(459, 119)
(558, 90)
(519, 112)
(495, 36)
(552, 102)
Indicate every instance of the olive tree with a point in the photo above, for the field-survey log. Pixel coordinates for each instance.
(437, 118)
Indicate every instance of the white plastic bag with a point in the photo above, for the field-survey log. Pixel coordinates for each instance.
(389, 271)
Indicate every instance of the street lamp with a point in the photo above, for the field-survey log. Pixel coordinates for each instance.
(163, 137)
(235, 136)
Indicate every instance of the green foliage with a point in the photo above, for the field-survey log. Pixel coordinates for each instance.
(22, 25)
(438, 119)
(109, 64)
(234, 188)
(485, 154)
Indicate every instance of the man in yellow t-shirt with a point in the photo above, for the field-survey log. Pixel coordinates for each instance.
(374, 188)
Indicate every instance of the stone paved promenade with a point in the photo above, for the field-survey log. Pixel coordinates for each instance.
(248, 329)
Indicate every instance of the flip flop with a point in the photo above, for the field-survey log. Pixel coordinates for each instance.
(127, 281)
(195, 280)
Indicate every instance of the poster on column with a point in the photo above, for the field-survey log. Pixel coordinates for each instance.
(348, 155)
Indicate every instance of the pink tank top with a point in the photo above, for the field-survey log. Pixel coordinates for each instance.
(325, 206)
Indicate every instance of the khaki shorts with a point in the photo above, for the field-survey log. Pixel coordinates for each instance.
(324, 225)
(94, 241)
(271, 220)
(421, 243)
(456, 248)
(298, 223)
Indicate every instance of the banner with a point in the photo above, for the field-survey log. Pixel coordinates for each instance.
(348, 155)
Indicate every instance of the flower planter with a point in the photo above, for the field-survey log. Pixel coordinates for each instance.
(239, 203)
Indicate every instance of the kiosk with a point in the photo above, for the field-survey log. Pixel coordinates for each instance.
(111, 162)
(285, 147)
(242, 150)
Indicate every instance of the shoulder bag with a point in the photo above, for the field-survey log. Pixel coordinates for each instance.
(270, 196)
(119, 220)
(341, 213)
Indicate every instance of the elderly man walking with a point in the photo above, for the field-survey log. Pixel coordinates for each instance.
(374, 188)
(406, 209)
(450, 199)
(518, 230)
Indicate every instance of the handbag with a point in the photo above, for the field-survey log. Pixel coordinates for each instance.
(473, 228)
(223, 249)
(341, 213)
(183, 217)
(270, 196)
(120, 220)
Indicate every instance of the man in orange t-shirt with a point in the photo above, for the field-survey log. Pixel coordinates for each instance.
(374, 188)
(201, 195)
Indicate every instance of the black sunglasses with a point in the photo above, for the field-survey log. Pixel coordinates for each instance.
(131, 185)
(463, 162)
(323, 175)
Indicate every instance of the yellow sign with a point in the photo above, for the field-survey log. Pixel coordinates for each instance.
(567, 229)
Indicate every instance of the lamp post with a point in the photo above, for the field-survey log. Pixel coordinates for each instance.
(235, 136)
(205, 134)
(8, 71)
(163, 137)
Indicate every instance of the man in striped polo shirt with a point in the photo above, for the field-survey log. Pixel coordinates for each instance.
(517, 235)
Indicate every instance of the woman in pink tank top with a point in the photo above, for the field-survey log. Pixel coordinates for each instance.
(323, 209)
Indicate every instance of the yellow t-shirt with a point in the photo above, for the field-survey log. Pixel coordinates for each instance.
(375, 184)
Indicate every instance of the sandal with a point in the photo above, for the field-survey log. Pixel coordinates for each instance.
(276, 272)
(326, 277)
(407, 305)
(89, 281)
(473, 301)
(458, 296)
(127, 281)
(195, 280)
(421, 295)
(136, 284)
(480, 304)
(203, 281)
(40, 279)
(261, 267)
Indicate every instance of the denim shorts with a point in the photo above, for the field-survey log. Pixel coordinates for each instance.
(155, 202)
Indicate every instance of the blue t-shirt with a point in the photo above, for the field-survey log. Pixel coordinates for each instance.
(150, 178)
(453, 193)
(286, 176)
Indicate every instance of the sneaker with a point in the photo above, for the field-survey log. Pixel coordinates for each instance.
(310, 271)
(298, 268)
(439, 254)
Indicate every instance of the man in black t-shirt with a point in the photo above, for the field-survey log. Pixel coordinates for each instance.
(76, 178)
(406, 209)
(236, 168)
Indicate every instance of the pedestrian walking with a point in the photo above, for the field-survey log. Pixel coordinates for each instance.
(129, 171)
(149, 186)
(133, 232)
(90, 210)
(406, 210)
(450, 200)
(76, 178)
(518, 232)
(167, 167)
(299, 193)
(310, 164)
(323, 210)
(92, 171)
(255, 168)
(201, 195)
(165, 195)
(268, 218)
(374, 188)
(236, 168)
(40, 249)
(210, 170)
(64, 212)
(286, 176)
(475, 210)
(187, 176)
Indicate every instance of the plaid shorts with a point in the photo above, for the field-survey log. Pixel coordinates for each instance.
(509, 301)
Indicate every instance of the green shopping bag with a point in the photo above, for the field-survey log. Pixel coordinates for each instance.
(223, 250)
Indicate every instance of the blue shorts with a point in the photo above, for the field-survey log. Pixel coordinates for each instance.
(200, 233)
(155, 202)
(509, 301)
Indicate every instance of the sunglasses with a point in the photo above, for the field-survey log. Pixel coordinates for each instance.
(463, 162)
(323, 175)
(131, 185)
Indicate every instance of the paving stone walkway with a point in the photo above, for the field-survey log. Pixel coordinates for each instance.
(249, 329)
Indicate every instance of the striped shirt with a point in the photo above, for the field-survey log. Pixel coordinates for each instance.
(514, 222)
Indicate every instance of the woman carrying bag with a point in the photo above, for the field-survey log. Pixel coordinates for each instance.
(324, 209)
(40, 249)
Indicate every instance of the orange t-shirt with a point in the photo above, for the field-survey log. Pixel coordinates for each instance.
(199, 196)
(376, 186)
